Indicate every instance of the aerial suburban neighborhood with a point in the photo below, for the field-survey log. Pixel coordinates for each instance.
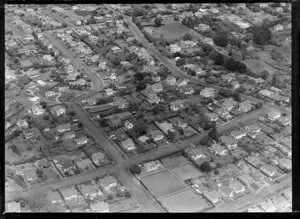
(148, 107)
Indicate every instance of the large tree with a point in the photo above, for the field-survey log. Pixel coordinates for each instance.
(261, 35)
(205, 167)
(158, 21)
(221, 39)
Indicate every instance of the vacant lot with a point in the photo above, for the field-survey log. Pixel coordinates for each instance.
(257, 66)
(122, 205)
(171, 31)
(100, 108)
(162, 183)
(174, 161)
(187, 171)
(185, 201)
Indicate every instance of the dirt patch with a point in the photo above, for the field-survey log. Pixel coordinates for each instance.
(171, 31)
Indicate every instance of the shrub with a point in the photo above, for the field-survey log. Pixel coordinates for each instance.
(221, 39)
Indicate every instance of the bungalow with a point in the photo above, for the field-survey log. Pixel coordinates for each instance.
(37, 110)
(121, 102)
(43, 163)
(155, 77)
(22, 123)
(187, 90)
(285, 163)
(281, 203)
(219, 150)
(226, 191)
(89, 191)
(268, 206)
(202, 27)
(165, 126)
(224, 114)
(69, 193)
(245, 106)
(171, 80)
(274, 115)
(59, 110)
(208, 92)
(236, 186)
(228, 104)
(30, 49)
(187, 44)
(128, 144)
(177, 105)
(54, 197)
(143, 138)
(276, 90)
(109, 91)
(63, 128)
(29, 133)
(108, 182)
(194, 153)
(128, 125)
(30, 174)
(81, 141)
(229, 141)
(91, 101)
(98, 157)
(116, 49)
(68, 135)
(156, 135)
(238, 134)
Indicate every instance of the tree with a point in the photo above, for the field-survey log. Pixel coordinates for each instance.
(264, 74)
(135, 169)
(217, 57)
(139, 76)
(127, 194)
(180, 62)
(110, 197)
(140, 86)
(46, 117)
(261, 34)
(103, 122)
(171, 136)
(204, 140)
(39, 173)
(205, 167)
(72, 113)
(221, 39)
(79, 125)
(43, 104)
(187, 36)
(158, 21)
(213, 134)
(138, 11)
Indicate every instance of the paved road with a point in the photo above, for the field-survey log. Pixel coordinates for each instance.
(95, 78)
(255, 198)
(115, 153)
(177, 72)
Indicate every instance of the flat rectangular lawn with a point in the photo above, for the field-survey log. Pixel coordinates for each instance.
(171, 31)
(162, 183)
(186, 171)
(185, 201)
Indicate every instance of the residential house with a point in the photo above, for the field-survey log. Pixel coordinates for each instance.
(201, 27)
(155, 77)
(208, 92)
(54, 197)
(64, 163)
(165, 126)
(177, 105)
(153, 98)
(227, 192)
(91, 101)
(150, 166)
(59, 110)
(128, 144)
(252, 128)
(98, 157)
(229, 142)
(30, 49)
(37, 110)
(187, 44)
(281, 203)
(274, 115)
(99, 206)
(63, 128)
(218, 149)
(48, 58)
(268, 170)
(121, 102)
(29, 133)
(13, 207)
(171, 80)
(84, 164)
(128, 125)
(30, 174)
(22, 123)
(268, 206)
(238, 134)
(194, 153)
(108, 182)
(181, 82)
(285, 163)
(43, 163)
(228, 104)
(236, 186)
(224, 114)
(116, 49)
(156, 135)
(275, 89)
(174, 48)
(109, 91)
(245, 106)
(81, 141)
(187, 90)
(212, 116)
(284, 121)
(70, 193)
(143, 138)
(213, 195)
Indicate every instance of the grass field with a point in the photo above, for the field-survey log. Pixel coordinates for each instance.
(185, 201)
(162, 183)
(186, 171)
(257, 66)
(171, 162)
(171, 31)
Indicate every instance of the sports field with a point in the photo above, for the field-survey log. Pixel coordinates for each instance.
(162, 183)
(171, 31)
(186, 171)
(185, 201)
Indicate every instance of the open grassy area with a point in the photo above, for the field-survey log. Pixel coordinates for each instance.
(186, 171)
(162, 183)
(185, 201)
(171, 31)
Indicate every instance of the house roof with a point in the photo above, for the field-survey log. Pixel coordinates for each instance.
(84, 163)
(228, 140)
(64, 126)
(154, 133)
(54, 196)
(99, 206)
(69, 192)
(128, 143)
(236, 133)
(107, 181)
